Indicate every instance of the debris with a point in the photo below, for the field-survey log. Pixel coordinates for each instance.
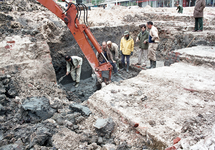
(79, 108)
(100, 123)
(104, 127)
(176, 140)
(40, 106)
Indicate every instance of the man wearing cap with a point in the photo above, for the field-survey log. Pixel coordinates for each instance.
(153, 44)
(73, 66)
(126, 49)
(143, 38)
(113, 47)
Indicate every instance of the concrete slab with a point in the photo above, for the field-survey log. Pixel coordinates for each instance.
(160, 101)
(200, 51)
(198, 55)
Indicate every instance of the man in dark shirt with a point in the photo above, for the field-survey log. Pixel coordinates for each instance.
(179, 8)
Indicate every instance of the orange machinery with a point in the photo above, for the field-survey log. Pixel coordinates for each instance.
(80, 32)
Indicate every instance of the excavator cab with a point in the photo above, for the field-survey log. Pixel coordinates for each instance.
(81, 33)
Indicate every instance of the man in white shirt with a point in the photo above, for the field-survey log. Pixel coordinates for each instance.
(73, 66)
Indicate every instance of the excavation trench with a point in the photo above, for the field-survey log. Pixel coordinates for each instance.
(88, 86)
(68, 46)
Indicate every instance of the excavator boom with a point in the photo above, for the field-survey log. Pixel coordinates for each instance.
(81, 33)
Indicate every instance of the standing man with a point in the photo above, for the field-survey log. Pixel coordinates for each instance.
(153, 44)
(198, 15)
(108, 55)
(179, 8)
(73, 66)
(143, 38)
(113, 47)
(126, 49)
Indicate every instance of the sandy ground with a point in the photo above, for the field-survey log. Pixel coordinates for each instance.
(117, 14)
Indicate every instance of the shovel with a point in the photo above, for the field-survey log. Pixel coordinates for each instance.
(65, 75)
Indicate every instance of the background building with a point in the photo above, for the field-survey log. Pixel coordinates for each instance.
(143, 3)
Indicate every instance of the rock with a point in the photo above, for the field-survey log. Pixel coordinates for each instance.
(145, 147)
(152, 123)
(104, 127)
(2, 77)
(57, 104)
(113, 91)
(69, 124)
(40, 106)
(100, 123)
(60, 121)
(15, 24)
(123, 146)
(75, 127)
(79, 108)
(41, 137)
(34, 32)
(2, 99)
(100, 140)
(6, 81)
(79, 119)
(9, 147)
(109, 147)
(12, 93)
(2, 90)
(144, 98)
(1, 107)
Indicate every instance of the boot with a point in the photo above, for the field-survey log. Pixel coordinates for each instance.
(127, 67)
(123, 66)
(151, 63)
(77, 84)
(154, 64)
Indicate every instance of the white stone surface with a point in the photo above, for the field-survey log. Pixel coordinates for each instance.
(174, 94)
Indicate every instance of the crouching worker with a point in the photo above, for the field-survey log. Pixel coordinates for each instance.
(73, 66)
(113, 47)
(109, 57)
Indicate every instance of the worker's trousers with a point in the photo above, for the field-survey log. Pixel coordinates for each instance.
(114, 66)
(152, 51)
(76, 74)
(123, 60)
(142, 56)
(199, 24)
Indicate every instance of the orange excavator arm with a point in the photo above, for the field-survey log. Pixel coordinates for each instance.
(80, 32)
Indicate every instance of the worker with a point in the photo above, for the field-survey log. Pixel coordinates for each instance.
(109, 57)
(113, 47)
(153, 44)
(143, 38)
(179, 8)
(73, 66)
(198, 15)
(126, 49)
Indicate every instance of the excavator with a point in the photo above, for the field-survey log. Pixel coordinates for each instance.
(81, 33)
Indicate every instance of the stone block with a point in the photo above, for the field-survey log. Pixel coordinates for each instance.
(40, 106)
(79, 108)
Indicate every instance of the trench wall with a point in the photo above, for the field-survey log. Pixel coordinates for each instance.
(168, 42)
